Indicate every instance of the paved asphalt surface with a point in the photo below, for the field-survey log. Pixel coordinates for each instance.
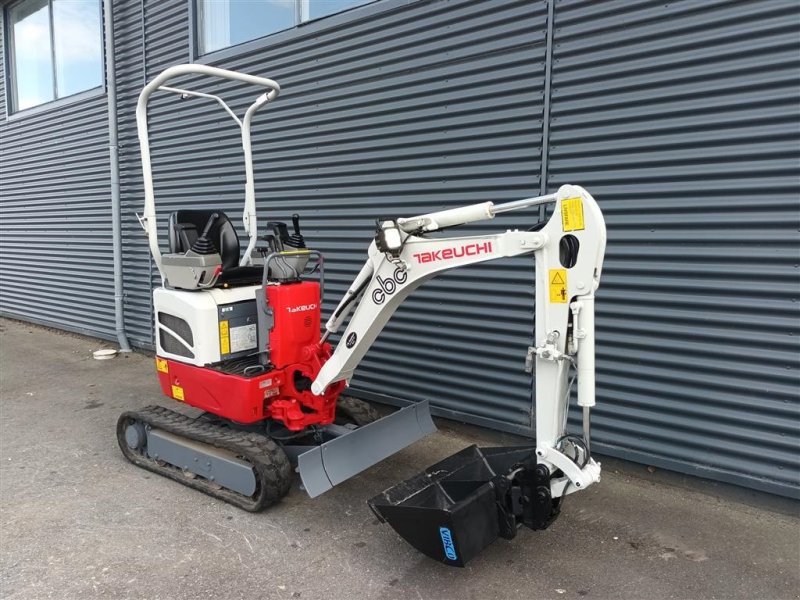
(77, 521)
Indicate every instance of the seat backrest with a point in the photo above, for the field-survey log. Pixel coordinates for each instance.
(185, 226)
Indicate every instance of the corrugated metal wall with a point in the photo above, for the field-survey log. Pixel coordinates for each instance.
(55, 208)
(682, 120)
(137, 268)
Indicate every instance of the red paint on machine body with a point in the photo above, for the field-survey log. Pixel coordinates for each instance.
(297, 317)
(296, 356)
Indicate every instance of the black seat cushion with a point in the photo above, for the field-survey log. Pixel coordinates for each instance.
(185, 226)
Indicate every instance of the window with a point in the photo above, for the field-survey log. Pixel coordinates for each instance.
(321, 8)
(224, 23)
(56, 50)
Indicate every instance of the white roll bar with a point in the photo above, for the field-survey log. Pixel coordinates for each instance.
(148, 220)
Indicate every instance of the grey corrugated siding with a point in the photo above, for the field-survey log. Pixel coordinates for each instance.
(682, 120)
(2, 65)
(393, 109)
(55, 248)
(137, 268)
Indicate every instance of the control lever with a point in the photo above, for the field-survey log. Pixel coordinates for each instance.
(272, 243)
(280, 234)
(203, 245)
(296, 240)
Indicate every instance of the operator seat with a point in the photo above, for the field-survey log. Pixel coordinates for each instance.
(185, 227)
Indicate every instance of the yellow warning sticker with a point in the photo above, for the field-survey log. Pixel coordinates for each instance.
(162, 366)
(177, 393)
(572, 214)
(224, 338)
(558, 286)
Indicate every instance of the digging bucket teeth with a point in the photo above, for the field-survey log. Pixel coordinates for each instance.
(451, 511)
(346, 455)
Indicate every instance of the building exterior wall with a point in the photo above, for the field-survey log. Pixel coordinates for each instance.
(682, 120)
(56, 262)
(679, 118)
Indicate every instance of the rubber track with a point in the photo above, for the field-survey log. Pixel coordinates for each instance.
(270, 464)
(355, 410)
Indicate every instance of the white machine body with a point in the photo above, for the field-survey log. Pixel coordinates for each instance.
(188, 323)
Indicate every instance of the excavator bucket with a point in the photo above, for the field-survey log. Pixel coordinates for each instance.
(451, 510)
(350, 451)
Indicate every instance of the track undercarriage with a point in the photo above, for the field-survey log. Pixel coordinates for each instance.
(251, 466)
(243, 468)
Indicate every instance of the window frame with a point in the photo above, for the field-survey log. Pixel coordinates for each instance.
(12, 112)
(302, 18)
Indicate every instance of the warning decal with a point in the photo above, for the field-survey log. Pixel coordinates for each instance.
(243, 338)
(162, 366)
(558, 285)
(177, 392)
(224, 338)
(572, 214)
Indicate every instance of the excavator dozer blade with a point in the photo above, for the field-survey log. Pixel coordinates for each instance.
(337, 460)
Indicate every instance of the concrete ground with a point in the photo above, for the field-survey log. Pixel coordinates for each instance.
(77, 521)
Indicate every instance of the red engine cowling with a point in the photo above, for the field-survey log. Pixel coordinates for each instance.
(295, 308)
(283, 393)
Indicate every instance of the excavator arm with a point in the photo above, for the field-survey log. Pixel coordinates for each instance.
(568, 251)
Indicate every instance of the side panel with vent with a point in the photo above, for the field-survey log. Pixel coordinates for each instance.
(205, 327)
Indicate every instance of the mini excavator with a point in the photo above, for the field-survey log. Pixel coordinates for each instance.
(238, 335)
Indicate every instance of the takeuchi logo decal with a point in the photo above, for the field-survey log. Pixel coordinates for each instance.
(451, 253)
(303, 308)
